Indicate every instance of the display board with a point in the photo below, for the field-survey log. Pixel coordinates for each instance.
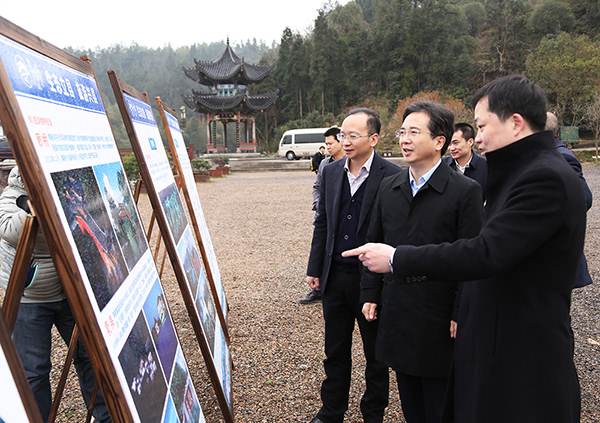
(177, 234)
(192, 199)
(57, 126)
(17, 404)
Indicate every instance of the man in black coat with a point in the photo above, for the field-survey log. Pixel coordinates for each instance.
(426, 203)
(513, 357)
(583, 277)
(463, 157)
(317, 159)
(347, 191)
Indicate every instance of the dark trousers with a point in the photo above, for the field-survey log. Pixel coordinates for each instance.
(33, 338)
(341, 308)
(422, 398)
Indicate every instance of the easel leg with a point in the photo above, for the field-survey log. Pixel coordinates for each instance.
(63, 376)
(88, 417)
(18, 275)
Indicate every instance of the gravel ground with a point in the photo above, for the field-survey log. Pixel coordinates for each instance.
(261, 226)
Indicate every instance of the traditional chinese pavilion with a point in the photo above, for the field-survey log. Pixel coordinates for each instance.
(225, 98)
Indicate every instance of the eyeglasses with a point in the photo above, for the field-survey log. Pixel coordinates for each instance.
(352, 137)
(401, 133)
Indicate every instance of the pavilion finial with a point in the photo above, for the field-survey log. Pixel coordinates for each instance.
(228, 40)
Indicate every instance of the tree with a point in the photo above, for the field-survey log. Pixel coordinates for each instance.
(592, 115)
(551, 17)
(568, 69)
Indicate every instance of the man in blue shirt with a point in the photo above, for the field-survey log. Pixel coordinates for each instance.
(426, 203)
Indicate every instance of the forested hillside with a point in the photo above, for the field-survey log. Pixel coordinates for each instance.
(380, 52)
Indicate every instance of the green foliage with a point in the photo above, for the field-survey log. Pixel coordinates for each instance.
(131, 167)
(379, 52)
(568, 69)
(551, 17)
(200, 165)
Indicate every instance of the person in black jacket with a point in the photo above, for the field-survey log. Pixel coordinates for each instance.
(513, 357)
(583, 277)
(318, 158)
(463, 157)
(426, 203)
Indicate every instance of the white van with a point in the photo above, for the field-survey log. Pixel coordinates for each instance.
(298, 143)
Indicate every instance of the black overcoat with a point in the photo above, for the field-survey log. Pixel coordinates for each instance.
(514, 349)
(414, 319)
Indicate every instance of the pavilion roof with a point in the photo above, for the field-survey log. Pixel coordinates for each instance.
(243, 103)
(228, 69)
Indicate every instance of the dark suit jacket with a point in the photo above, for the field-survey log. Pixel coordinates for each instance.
(414, 319)
(513, 357)
(327, 221)
(583, 277)
(477, 169)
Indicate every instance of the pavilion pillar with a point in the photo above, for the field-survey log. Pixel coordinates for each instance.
(208, 141)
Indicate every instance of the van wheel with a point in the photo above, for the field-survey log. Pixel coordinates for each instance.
(290, 155)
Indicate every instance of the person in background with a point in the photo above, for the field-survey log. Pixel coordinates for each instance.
(318, 158)
(43, 305)
(463, 157)
(334, 148)
(348, 188)
(583, 277)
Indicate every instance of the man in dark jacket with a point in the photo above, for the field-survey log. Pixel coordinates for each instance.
(318, 158)
(463, 157)
(347, 192)
(426, 203)
(583, 277)
(513, 358)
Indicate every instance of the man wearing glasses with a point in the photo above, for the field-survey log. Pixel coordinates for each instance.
(426, 203)
(513, 358)
(347, 191)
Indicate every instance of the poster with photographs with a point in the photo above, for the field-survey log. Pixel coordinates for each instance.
(173, 132)
(177, 233)
(69, 160)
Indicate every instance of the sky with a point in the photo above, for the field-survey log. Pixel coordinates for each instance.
(85, 24)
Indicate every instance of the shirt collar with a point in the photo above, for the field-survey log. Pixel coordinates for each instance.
(468, 163)
(366, 166)
(423, 179)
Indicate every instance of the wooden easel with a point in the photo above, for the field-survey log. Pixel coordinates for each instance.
(12, 300)
(136, 195)
(181, 185)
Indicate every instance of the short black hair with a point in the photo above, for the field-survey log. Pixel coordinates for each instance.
(373, 122)
(441, 119)
(466, 130)
(332, 132)
(515, 94)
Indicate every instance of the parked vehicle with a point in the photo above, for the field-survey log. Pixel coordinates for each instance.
(298, 143)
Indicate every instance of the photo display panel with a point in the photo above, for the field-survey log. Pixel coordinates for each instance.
(179, 240)
(79, 160)
(173, 131)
